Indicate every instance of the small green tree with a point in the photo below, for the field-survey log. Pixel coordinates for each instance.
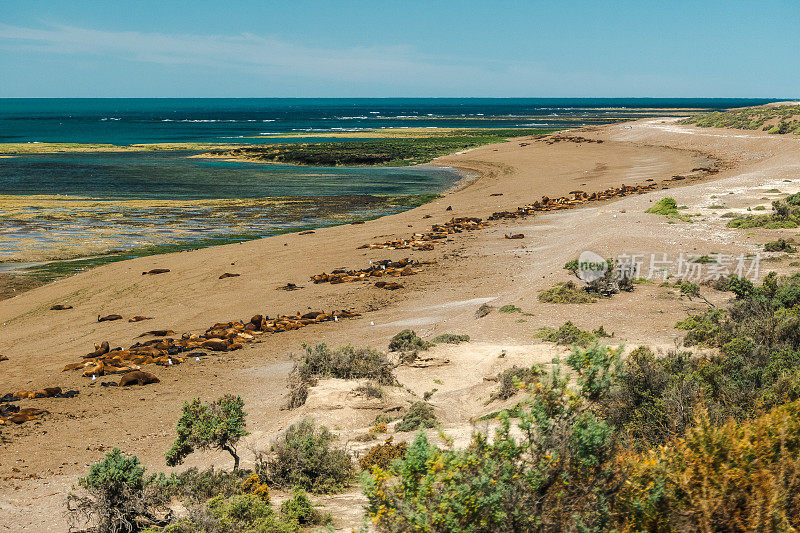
(116, 499)
(217, 425)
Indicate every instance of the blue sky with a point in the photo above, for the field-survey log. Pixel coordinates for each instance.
(300, 48)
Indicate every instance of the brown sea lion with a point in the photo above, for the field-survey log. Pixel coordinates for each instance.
(47, 392)
(108, 318)
(515, 235)
(157, 333)
(388, 285)
(229, 275)
(100, 350)
(138, 377)
(218, 345)
(139, 318)
(97, 370)
(156, 271)
(3, 358)
(60, 307)
(309, 232)
(24, 415)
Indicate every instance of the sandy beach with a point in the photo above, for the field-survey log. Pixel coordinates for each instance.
(41, 460)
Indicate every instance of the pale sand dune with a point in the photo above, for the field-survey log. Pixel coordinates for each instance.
(473, 268)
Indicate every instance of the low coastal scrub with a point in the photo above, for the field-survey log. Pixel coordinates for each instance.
(419, 416)
(569, 334)
(300, 510)
(669, 208)
(450, 338)
(781, 245)
(115, 496)
(733, 477)
(612, 281)
(779, 119)
(346, 362)
(386, 152)
(566, 293)
(304, 456)
(408, 344)
(785, 214)
(514, 379)
(579, 461)
(232, 514)
(382, 455)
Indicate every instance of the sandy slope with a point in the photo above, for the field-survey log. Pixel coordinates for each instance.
(473, 268)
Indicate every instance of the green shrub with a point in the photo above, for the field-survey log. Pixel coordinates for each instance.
(780, 245)
(304, 457)
(198, 486)
(566, 293)
(784, 215)
(299, 509)
(510, 309)
(512, 380)
(346, 362)
(568, 334)
(555, 475)
(450, 338)
(216, 425)
(419, 416)
(370, 390)
(116, 498)
(668, 207)
(735, 477)
(244, 513)
(409, 343)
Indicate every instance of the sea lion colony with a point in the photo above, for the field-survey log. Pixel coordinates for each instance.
(223, 336)
(232, 335)
(425, 241)
(377, 269)
(13, 414)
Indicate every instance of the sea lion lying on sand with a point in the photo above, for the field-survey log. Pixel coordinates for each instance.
(156, 271)
(515, 235)
(108, 318)
(47, 392)
(377, 269)
(157, 333)
(139, 318)
(138, 377)
(229, 275)
(388, 285)
(289, 287)
(423, 241)
(22, 416)
(60, 307)
(3, 358)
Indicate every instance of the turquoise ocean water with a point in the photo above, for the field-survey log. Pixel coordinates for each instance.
(116, 177)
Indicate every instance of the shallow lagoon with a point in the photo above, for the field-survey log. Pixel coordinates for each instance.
(57, 206)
